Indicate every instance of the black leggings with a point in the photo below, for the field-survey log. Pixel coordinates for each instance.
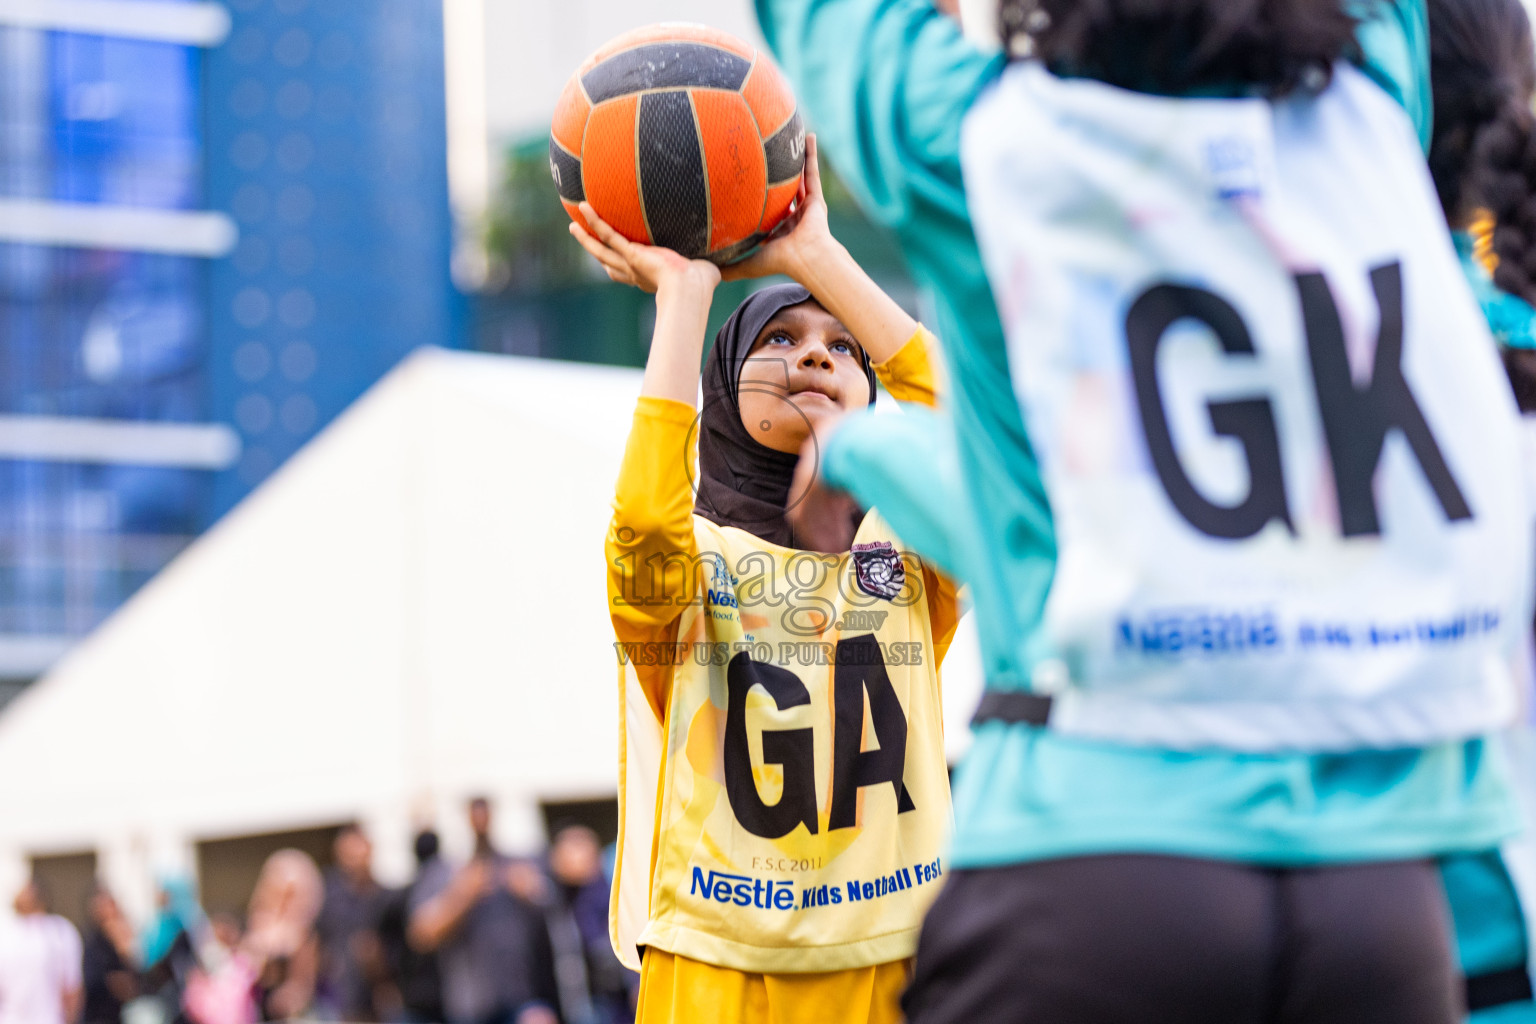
(1148, 940)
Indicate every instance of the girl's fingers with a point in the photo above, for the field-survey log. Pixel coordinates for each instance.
(606, 257)
(812, 168)
(790, 222)
(609, 237)
(744, 269)
(613, 265)
(586, 241)
(625, 261)
(620, 273)
(600, 252)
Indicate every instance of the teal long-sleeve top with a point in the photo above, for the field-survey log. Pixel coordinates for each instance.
(886, 85)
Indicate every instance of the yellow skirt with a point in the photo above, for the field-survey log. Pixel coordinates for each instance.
(677, 990)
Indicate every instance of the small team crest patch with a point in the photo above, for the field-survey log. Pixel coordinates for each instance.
(878, 569)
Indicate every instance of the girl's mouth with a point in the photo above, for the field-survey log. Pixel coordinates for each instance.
(816, 391)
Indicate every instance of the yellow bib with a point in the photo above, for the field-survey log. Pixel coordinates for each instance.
(789, 813)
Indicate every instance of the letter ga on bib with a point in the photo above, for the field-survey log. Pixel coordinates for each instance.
(803, 798)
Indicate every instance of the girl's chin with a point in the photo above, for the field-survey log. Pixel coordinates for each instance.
(784, 437)
(817, 410)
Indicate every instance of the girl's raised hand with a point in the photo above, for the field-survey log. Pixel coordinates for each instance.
(794, 245)
(647, 267)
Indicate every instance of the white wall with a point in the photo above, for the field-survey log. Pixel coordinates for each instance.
(408, 613)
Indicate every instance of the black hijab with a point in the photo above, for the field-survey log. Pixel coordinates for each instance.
(742, 482)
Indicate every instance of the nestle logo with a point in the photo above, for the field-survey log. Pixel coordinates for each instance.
(742, 890)
(1233, 166)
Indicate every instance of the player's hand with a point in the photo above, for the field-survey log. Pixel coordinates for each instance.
(793, 248)
(647, 267)
(822, 517)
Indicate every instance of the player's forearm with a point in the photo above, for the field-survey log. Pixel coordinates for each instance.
(650, 547)
(677, 345)
(905, 467)
(843, 288)
(885, 84)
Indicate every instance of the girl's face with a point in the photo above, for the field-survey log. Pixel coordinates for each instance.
(804, 368)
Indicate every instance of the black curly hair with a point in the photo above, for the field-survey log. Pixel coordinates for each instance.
(1175, 47)
(1483, 151)
(1482, 154)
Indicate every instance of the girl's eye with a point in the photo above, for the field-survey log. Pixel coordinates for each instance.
(780, 339)
(845, 347)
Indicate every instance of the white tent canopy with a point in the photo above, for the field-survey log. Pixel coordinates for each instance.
(410, 611)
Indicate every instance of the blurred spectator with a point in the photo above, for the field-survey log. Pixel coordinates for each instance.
(594, 986)
(39, 963)
(108, 969)
(415, 973)
(354, 985)
(166, 945)
(280, 946)
(222, 990)
(226, 931)
(492, 942)
(176, 913)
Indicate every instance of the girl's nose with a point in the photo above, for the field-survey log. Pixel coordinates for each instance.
(816, 354)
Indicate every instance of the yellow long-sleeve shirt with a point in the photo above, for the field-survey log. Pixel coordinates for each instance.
(784, 795)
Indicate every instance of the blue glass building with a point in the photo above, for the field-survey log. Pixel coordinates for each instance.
(327, 144)
(218, 226)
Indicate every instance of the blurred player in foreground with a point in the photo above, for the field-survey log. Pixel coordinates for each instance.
(1211, 768)
(1483, 158)
(782, 870)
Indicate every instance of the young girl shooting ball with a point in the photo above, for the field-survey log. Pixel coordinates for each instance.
(784, 700)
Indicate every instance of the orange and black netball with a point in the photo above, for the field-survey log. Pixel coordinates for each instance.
(680, 136)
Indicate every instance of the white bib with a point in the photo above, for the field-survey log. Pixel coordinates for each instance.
(1282, 458)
